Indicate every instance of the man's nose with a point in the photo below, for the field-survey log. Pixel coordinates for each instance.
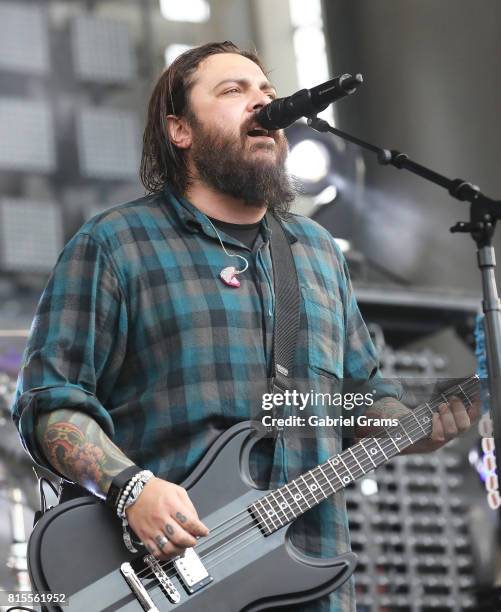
(259, 99)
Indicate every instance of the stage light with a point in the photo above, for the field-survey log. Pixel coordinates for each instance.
(194, 11)
(24, 39)
(330, 177)
(368, 486)
(473, 457)
(102, 51)
(108, 143)
(309, 161)
(31, 235)
(26, 135)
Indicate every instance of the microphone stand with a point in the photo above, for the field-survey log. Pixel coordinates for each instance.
(484, 213)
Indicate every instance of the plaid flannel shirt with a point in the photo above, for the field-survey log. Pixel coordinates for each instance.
(136, 329)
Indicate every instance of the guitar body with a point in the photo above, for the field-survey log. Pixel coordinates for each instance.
(77, 548)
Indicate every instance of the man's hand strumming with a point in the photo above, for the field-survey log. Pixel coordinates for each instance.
(164, 519)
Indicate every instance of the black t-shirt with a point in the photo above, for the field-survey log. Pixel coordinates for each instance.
(246, 233)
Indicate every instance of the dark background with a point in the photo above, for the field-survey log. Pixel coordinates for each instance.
(431, 89)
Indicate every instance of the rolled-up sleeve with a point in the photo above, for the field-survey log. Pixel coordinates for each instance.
(77, 342)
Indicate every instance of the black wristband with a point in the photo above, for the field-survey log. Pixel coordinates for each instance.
(118, 483)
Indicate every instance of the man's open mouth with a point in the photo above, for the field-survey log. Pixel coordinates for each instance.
(259, 132)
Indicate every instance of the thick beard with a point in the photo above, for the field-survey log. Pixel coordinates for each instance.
(220, 162)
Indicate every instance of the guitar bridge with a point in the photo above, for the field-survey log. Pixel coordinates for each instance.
(192, 571)
(137, 587)
(165, 582)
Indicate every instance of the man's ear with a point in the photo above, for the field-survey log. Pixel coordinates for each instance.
(179, 131)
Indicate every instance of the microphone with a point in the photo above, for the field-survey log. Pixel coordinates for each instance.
(282, 112)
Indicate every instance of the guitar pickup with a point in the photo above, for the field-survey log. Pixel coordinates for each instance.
(192, 571)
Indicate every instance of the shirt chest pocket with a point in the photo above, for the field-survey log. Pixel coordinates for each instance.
(325, 321)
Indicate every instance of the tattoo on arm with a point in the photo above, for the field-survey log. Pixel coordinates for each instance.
(385, 408)
(76, 446)
(388, 408)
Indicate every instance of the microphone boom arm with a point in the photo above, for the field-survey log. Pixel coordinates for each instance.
(484, 213)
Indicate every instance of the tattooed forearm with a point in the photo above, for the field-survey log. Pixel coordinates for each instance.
(388, 408)
(385, 408)
(76, 447)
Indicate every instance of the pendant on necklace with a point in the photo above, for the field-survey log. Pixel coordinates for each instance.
(227, 275)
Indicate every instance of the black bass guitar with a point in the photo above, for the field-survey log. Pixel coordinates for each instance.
(246, 564)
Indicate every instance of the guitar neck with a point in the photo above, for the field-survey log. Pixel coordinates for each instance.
(283, 505)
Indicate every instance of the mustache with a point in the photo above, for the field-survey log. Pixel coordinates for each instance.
(277, 135)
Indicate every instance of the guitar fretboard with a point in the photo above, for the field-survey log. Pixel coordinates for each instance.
(281, 506)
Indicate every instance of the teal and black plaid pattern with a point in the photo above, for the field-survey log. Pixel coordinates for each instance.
(136, 329)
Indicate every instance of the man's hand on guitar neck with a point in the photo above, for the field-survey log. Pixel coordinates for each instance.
(451, 420)
(76, 447)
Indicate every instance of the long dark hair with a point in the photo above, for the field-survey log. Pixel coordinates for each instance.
(161, 161)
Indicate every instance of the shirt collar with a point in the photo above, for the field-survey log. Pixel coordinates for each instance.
(193, 219)
(188, 215)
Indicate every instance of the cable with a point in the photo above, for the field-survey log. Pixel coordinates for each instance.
(43, 502)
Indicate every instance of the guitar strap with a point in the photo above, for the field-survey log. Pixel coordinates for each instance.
(285, 330)
(287, 307)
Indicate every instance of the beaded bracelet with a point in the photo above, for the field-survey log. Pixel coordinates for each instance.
(128, 496)
(125, 492)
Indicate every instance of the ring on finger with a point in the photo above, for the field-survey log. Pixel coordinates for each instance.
(161, 541)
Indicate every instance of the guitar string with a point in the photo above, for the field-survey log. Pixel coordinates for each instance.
(419, 428)
(222, 524)
(228, 552)
(211, 561)
(389, 445)
(254, 525)
(155, 596)
(242, 541)
(312, 496)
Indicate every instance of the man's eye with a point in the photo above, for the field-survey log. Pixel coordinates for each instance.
(232, 90)
(271, 96)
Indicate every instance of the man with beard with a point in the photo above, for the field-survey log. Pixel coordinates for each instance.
(142, 352)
